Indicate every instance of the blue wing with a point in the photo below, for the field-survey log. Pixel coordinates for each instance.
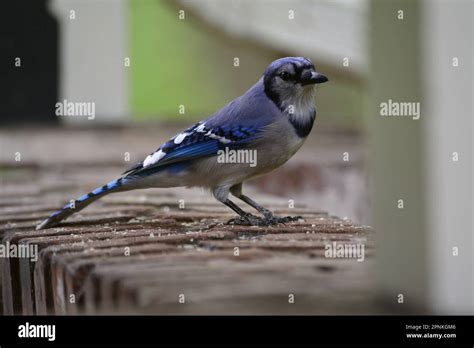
(197, 141)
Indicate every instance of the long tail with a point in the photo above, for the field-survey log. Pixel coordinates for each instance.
(79, 204)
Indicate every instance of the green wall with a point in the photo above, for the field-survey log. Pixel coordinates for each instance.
(187, 62)
(176, 62)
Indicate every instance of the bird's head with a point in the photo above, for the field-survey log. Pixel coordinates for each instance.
(290, 82)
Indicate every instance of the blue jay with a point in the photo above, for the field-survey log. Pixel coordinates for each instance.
(273, 118)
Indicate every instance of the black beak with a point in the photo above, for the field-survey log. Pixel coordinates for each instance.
(313, 78)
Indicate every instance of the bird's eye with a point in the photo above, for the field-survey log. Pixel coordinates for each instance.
(284, 75)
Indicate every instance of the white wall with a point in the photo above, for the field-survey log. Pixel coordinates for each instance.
(92, 51)
(447, 33)
(413, 160)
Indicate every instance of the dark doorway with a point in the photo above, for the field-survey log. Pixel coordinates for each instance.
(28, 63)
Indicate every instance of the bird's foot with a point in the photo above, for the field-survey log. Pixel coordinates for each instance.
(274, 220)
(247, 220)
(267, 220)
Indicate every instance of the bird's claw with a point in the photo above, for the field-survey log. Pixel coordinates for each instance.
(274, 220)
(247, 220)
(268, 220)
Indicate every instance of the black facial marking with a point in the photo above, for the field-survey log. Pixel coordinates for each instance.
(298, 70)
(303, 126)
(267, 86)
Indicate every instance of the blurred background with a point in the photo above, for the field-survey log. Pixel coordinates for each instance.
(139, 60)
(152, 67)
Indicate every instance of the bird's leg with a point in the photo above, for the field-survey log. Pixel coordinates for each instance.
(221, 194)
(268, 217)
(245, 218)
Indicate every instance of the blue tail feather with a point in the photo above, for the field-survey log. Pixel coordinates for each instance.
(80, 203)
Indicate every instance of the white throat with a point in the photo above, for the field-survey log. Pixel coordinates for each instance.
(299, 104)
